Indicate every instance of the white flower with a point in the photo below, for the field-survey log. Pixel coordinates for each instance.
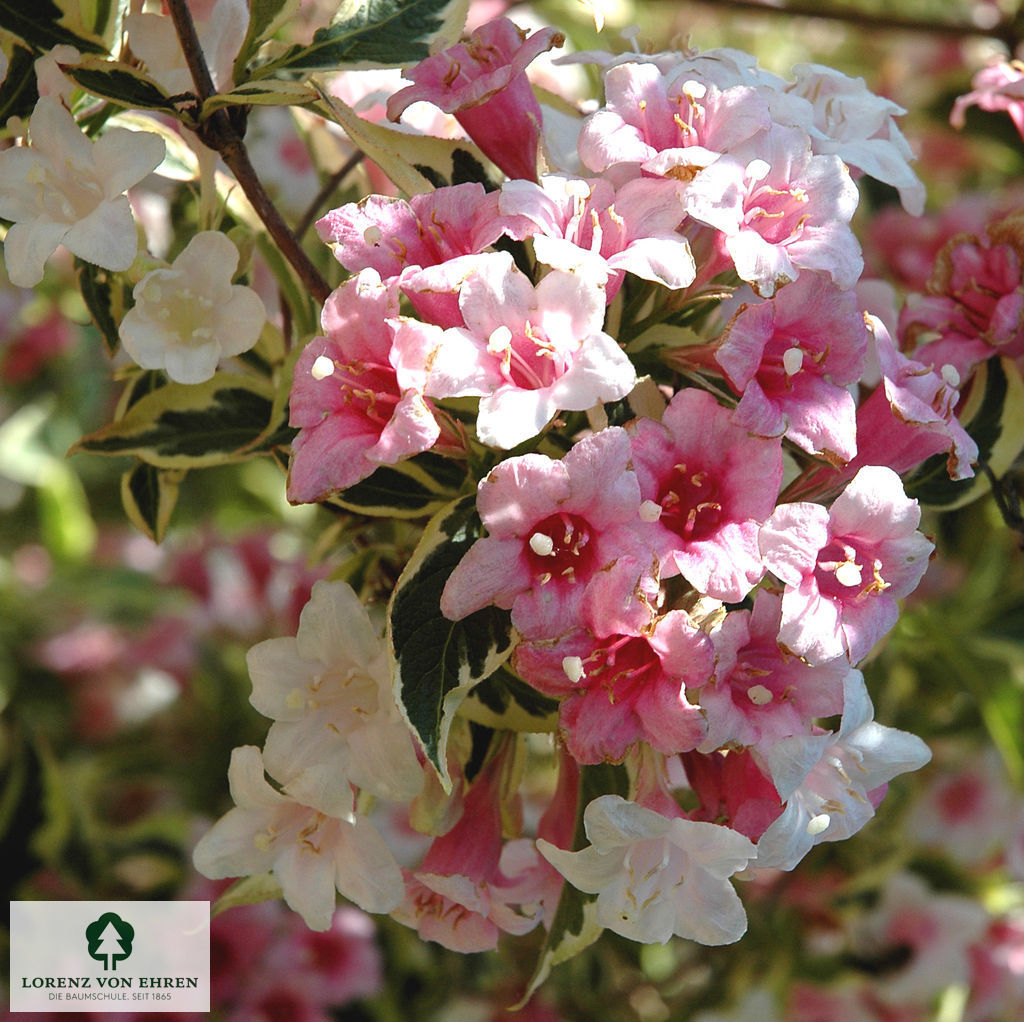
(63, 189)
(221, 33)
(189, 316)
(310, 853)
(328, 690)
(826, 780)
(655, 876)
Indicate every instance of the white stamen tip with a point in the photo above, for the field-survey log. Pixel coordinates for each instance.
(322, 368)
(755, 170)
(950, 375)
(759, 695)
(572, 666)
(499, 340)
(695, 90)
(542, 544)
(650, 511)
(818, 824)
(848, 574)
(373, 235)
(792, 360)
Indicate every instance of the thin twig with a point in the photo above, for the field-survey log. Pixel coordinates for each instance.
(219, 133)
(325, 193)
(1005, 31)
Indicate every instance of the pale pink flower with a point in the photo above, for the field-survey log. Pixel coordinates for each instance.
(576, 223)
(1000, 86)
(997, 971)
(354, 410)
(618, 690)
(933, 930)
(63, 189)
(845, 567)
(310, 853)
(761, 692)
(792, 359)
(483, 82)
(707, 487)
(657, 877)
(336, 722)
(832, 782)
(667, 125)
(527, 352)
(783, 211)
(552, 527)
(858, 127)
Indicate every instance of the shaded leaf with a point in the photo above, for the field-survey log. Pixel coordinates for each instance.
(265, 18)
(247, 891)
(18, 92)
(105, 296)
(437, 661)
(506, 702)
(39, 24)
(191, 426)
(265, 92)
(149, 495)
(119, 83)
(418, 486)
(375, 33)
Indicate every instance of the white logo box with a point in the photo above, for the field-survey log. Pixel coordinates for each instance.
(110, 956)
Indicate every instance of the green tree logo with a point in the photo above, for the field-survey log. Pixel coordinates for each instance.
(110, 940)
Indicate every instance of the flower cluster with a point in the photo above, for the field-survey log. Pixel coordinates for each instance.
(690, 554)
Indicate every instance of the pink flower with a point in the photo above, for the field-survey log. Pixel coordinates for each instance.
(483, 83)
(459, 896)
(708, 486)
(1000, 86)
(353, 409)
(588, 224)
(792, 359)
(911, 415)
(668, 124)
(974, 308)
(761, 692)
(617, 690)
(783, 211)
(845, 567)
(553, 527)
(527, 352)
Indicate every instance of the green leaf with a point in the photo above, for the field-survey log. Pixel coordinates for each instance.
(574, 926)
(505, 702)
(265, 18)
(105, 297)
(18, 92)
(38, 24)
(413, 488)
(265, 92)
(415, 163)
(375, 34)
(994, 417)
(437, 661)
(149, 495)
(249, 890)
(183, 426)
(119, 83)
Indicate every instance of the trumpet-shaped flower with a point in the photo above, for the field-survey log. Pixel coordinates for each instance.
(189, 316)
(310, 853)
(656, 877)
(63, 189)
(552, 527)
(526, 351)
(832, 782)
(354, 410)
(845, 567)
(708, 486)
(483, 82)
(328, 690)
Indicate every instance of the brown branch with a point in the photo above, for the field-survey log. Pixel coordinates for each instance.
(219, 133)
(1005, 31)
